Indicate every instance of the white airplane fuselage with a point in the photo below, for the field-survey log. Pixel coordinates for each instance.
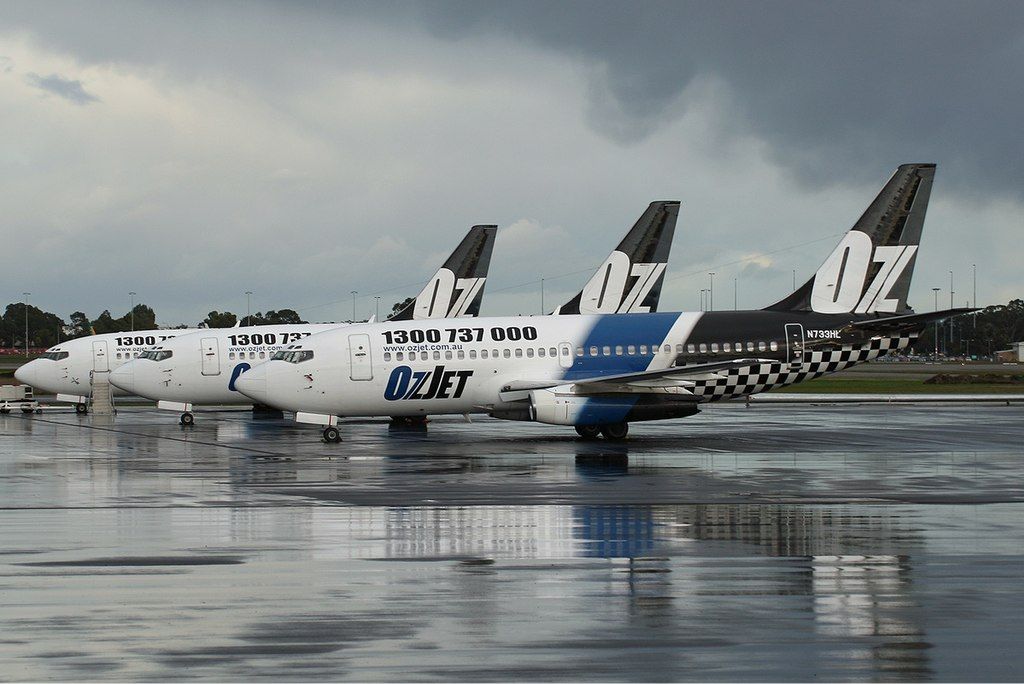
(202, 368)
(509, 365)
(67, 368)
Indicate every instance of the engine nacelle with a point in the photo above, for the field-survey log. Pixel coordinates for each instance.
(553, 408)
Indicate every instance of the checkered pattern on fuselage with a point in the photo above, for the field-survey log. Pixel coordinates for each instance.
(753, 379)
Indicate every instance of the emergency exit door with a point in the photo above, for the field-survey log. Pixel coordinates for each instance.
(211, 356)
(359, 357)
(795, 345)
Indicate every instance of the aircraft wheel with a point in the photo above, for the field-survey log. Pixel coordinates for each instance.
(588, 431)
(81, 408)
(26, 410)
(187, 419)
(5, 411)
(331, 435)
(615, 432)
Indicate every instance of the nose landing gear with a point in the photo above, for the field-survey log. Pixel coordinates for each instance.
(81, 408)
(332, 435)
(187, 419)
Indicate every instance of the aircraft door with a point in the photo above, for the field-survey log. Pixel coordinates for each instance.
(359, 357)
(795, 345)
(210, 351)
(100, 362)
(565, 359)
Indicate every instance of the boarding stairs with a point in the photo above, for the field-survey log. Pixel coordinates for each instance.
(102, 394)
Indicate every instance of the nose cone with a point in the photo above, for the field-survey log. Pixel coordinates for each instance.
(28, 373)
(253, 384)
(124, 377)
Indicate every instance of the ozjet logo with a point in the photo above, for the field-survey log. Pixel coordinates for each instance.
(405, 383)
(438, 299)
(839, 283)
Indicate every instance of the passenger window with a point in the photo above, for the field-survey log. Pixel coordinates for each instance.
(448, 356)
(529, 352)
(714, 347)
(519, 353)
(579, 351)
(231, 356)
(462, 355)
(541, 352)
(387, 356)
(774, 346)
(761, 346)
(667, 349)
(118, 354)
(618, 350)
(750, 346)
(252, 355)
(631, 350)
(726, 347)
(703, 348)
(565, 352)
(472, 353)
(437, 356)
(643, 350)
(607, 351)
(679, 349)
(691, 348)
(263, 355)
(593, 351)
(423, 356)
(399, 356)
(494, 353)
(506, 353)
(739, 346)
(483, 353)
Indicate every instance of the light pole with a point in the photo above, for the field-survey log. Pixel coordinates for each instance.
(974, 298)
(711, 291)
(354, 293)
(702, 291)
(735, 294)
(248, 307)
(794, 280)
(541, 296)
(26, 323)
(936, 291)
(951, 293)
(131, 296)
(377, 310)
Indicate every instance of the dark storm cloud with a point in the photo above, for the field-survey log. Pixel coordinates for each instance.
(832, 87)
(71, 90)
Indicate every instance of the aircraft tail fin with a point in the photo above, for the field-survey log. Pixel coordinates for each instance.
(630, 279)
(871, 268)
(457, 288)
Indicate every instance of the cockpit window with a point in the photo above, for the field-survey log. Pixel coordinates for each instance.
(156, 354)
(294, 355)
(55, 355)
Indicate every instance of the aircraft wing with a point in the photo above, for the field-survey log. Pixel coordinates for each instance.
(890, 323)
(676, 373)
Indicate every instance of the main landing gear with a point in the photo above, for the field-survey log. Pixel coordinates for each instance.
(187, 419)
(613, 432)
(331, 435)
(81, 408)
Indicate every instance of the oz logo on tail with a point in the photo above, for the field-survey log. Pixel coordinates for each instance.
(439, 300)
(839, 285)
(606, 291)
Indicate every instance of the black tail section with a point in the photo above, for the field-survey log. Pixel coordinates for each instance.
(870, 270)
(457, 289)
(630, 279)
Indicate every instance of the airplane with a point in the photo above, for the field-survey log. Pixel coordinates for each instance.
(599, 372)
(203, 368)
(67, 369)
(629, 279)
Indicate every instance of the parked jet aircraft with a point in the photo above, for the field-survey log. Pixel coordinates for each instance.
(67, 369)
(600, 372)
(202, 368)
(186, 375)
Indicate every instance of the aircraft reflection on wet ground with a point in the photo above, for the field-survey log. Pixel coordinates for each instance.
(135, 550)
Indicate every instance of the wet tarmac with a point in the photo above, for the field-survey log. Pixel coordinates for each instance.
(776, 542)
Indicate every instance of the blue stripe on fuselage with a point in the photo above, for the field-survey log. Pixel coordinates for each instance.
(613, 330)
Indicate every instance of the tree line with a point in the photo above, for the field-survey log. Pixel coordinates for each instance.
(982, 333)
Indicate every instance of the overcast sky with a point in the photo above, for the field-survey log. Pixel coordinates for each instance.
(192, 151)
